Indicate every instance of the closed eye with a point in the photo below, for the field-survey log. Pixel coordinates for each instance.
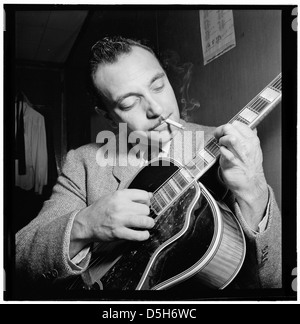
(158, 89)
(128, 103)
(158, 84)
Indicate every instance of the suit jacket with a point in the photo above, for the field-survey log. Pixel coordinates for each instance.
(42, 247)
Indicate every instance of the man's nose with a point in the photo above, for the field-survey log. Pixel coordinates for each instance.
(154, 108)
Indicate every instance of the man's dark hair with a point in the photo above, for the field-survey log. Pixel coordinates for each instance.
(107, 51)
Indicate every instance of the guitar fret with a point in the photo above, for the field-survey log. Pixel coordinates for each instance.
(213, 147)
(180, 180)
(161, 201)
(258, 105)
(165, 192)
(277, 88)
(164, 195)
(171, 192)
(177, 181)
(155, 205)
(193, 168)
(277, 84)
(174, 185)
(208, 158)
(242, 120)
(187, 175)
(254, 103)
(200, 161)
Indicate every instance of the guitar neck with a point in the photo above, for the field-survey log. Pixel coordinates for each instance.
(251, 115)
(258, 108)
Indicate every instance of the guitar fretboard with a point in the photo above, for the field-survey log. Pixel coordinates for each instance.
(252, 114)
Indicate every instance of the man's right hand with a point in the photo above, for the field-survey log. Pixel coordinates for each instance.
(122, 215)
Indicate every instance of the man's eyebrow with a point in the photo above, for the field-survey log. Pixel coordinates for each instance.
(129, 94)
(157, 76)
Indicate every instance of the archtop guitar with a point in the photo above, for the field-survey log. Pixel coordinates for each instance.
(194, 237)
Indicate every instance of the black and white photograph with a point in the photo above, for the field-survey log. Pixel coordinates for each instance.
(150, 154)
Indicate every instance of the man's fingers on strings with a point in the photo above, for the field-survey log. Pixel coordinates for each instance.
(138, 195)
(226, 129)
(237, 129)
(232, 143)
(244, 130)
(132, 234)
(139, 222)
(139, 208)
(227, 157)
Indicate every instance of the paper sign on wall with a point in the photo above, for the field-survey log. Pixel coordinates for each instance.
(217, 33)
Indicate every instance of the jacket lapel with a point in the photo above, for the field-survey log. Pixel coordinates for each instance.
(125, 167)
(124, 174)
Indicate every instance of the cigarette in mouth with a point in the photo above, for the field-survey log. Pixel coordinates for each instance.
(171, 122)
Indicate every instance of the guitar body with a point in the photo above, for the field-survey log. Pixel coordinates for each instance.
(192, 238)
